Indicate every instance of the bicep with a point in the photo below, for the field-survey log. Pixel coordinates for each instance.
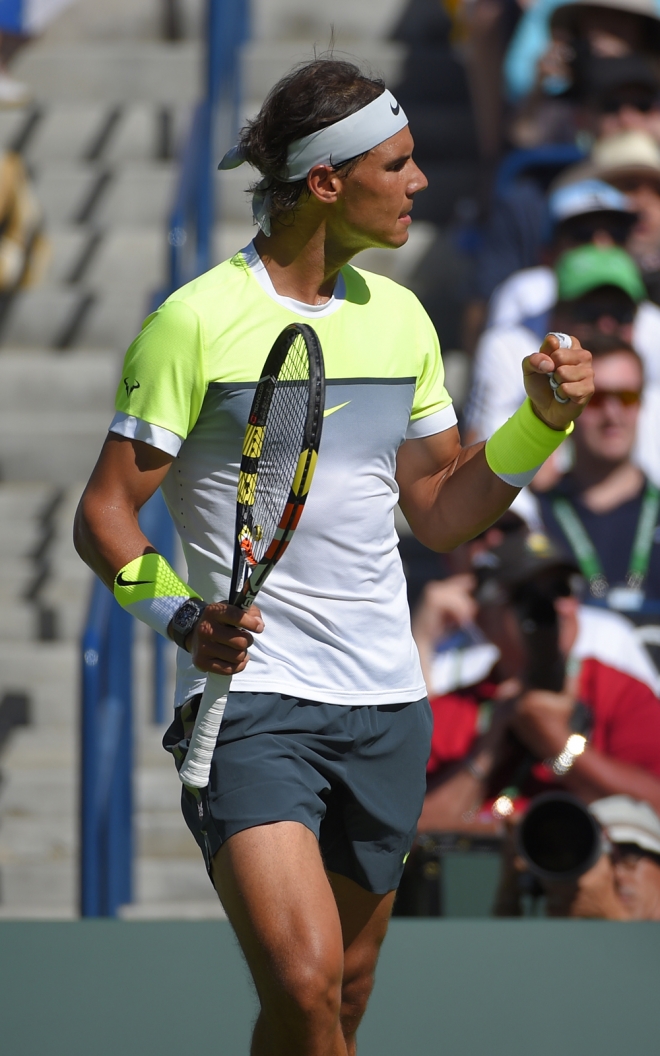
(128, 472)
(420, 459)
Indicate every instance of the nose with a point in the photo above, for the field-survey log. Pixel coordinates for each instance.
(418, 181)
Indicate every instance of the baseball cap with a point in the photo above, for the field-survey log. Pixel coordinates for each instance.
(585, 268)
(586, 196)
(566, 16)
(519, 557)
(628, 820)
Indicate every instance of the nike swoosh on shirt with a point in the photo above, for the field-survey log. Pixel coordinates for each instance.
(121, 582)
(331, 410)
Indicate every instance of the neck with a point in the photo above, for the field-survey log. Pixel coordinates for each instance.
(605, 485)
(303, 259)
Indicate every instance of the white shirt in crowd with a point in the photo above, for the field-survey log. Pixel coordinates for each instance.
(497, 382)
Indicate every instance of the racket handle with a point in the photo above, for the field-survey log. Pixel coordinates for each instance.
(196, 768)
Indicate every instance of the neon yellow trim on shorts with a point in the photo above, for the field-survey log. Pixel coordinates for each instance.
(523, 443)
(149, 577)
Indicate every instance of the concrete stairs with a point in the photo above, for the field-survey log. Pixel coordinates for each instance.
(111, 105)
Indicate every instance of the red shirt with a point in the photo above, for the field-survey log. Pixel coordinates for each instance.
(625, 713)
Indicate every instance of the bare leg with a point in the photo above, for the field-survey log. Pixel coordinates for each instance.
(278, 898)
(364, 920)
(311, 940)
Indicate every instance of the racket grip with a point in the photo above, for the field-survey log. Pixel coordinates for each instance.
(196, 767)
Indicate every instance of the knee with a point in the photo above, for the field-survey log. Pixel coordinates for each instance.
(355, 994)
(310, 993)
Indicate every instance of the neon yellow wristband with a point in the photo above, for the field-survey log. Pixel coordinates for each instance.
(150, 589)
(518, 449)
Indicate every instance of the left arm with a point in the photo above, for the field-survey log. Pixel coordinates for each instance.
(449, 493)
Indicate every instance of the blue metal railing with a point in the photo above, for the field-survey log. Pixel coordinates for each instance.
(190, 233)
(106, 801)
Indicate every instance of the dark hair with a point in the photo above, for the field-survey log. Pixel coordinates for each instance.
(314, 95)
(606, 344)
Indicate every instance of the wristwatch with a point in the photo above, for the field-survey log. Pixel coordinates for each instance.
(184, 620)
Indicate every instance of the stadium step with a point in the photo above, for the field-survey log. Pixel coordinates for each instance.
(112, 105)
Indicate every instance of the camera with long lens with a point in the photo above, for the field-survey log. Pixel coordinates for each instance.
(558, 838)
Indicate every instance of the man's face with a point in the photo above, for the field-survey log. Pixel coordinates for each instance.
(377, 196)
(637, 880)
(606, 428)
(628, 108)
(606, 310)
(644, 195)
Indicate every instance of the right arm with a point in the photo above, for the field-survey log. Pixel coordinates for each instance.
(107, 535)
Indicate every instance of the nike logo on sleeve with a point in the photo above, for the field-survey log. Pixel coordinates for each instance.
(121, 582)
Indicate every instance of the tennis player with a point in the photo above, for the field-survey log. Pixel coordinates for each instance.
(318, 776)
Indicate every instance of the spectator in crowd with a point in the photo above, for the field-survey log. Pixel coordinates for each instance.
(630, 161)
(599, 290)
(553, 38)
(624, 884)
(588, 211)
(604, 510)
(611, 96)
(19, 22)
(496, 731)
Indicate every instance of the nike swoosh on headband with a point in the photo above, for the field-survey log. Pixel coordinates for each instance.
(121, 582)
(395, 109)
(331, 410)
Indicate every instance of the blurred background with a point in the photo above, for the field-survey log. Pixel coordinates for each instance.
(538, 126)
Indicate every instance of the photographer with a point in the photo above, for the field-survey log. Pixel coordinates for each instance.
(517, 717)
(623, 884)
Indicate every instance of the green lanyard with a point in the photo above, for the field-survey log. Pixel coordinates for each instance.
(585, 551)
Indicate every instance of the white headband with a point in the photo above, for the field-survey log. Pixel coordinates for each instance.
(353, 135)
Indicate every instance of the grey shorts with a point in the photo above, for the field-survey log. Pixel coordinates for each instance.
(354, 776)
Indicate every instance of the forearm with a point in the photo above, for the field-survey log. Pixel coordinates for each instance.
(107, 533)
(595, 775)
(451, 507)
(107, 536)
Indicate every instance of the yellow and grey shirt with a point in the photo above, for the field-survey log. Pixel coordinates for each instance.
(337, 627)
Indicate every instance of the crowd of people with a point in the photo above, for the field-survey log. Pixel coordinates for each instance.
(537, 638)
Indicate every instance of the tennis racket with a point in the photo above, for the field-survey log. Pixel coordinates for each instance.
(280, 450)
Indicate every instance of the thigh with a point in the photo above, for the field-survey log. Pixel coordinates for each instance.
(278, 898)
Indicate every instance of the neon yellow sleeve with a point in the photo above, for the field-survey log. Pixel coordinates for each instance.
(431, 395)
(164, 377)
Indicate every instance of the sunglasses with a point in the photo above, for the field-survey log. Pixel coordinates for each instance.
(613, 104)
(582, 230)
(626, 397)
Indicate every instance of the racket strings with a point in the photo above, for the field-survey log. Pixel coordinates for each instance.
(283, 443)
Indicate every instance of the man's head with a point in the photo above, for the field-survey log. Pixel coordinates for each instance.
(631, 162)
(589, 211)
(527, 607)
(598, 290)
(621, 95)
(633, 829)
(606, 430)
(362, 187)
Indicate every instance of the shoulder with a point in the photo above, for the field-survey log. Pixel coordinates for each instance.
(610, 639)
(381, 290)
(203, 292)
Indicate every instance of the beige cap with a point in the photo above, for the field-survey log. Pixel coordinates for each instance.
(627, 820)
(565, 14)
(616, 158)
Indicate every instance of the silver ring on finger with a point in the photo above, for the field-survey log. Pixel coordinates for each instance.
(554, 385)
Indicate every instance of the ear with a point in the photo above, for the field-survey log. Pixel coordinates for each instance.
(324, 184)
